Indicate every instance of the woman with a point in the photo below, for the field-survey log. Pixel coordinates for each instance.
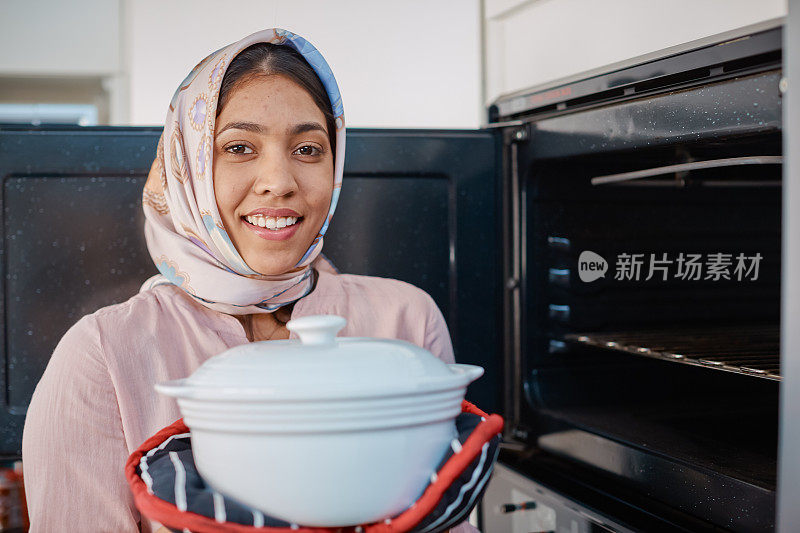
(237, 202)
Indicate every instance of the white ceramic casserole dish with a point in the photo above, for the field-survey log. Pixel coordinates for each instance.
(323, 431)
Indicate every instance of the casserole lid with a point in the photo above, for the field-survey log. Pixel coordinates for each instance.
(321, 365)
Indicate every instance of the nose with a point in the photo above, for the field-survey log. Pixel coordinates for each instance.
(274, 176)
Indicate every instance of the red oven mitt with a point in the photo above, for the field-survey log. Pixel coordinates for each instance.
(166, 457)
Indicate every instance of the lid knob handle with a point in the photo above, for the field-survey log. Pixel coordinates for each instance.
(317, 330)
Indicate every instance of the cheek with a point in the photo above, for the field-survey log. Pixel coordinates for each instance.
(228, 190)
(321, 198)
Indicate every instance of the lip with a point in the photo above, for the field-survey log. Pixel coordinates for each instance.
(273, 234)
(274, 212)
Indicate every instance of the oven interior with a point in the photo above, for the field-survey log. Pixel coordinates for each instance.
(681, 368)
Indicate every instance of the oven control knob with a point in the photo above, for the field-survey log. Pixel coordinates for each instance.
(511, 507)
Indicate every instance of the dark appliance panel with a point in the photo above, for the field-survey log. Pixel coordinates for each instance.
(417, 205)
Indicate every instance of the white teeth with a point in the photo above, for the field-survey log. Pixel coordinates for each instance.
(271, 222)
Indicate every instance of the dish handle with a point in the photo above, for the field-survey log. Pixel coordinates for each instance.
(473, 372)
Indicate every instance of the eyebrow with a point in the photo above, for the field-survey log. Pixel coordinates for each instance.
(297, 129)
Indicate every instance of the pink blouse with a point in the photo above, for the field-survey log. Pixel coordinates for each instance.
(95, 403)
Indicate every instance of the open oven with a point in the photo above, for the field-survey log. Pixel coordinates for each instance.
(643, 258)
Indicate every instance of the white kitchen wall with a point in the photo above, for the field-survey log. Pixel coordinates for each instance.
(532, 42)
(49, 37)
(414, 63)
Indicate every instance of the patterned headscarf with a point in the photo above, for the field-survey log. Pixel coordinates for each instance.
(183, 227)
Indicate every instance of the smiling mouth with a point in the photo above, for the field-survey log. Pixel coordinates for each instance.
(271, 223)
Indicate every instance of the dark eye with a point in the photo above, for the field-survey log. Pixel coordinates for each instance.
(238, 149)
(308, 150)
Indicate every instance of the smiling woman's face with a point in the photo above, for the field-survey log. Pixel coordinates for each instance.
(273, 172)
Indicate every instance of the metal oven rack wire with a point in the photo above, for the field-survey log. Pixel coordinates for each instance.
(749, 350)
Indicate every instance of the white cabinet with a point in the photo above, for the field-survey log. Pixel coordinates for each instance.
(533, 42)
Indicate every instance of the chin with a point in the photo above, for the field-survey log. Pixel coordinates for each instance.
(272, 268)
(273, 258)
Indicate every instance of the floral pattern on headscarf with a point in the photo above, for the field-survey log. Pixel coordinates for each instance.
(183, 228)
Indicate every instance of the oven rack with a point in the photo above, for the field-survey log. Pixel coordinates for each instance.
(749, 350)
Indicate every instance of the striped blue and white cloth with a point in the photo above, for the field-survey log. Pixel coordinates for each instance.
(169, 473)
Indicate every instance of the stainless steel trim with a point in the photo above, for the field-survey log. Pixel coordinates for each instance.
(686, 167)
(515, 487)
(516, 304)
(504, 124)
(788, 512)
(708, 183)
